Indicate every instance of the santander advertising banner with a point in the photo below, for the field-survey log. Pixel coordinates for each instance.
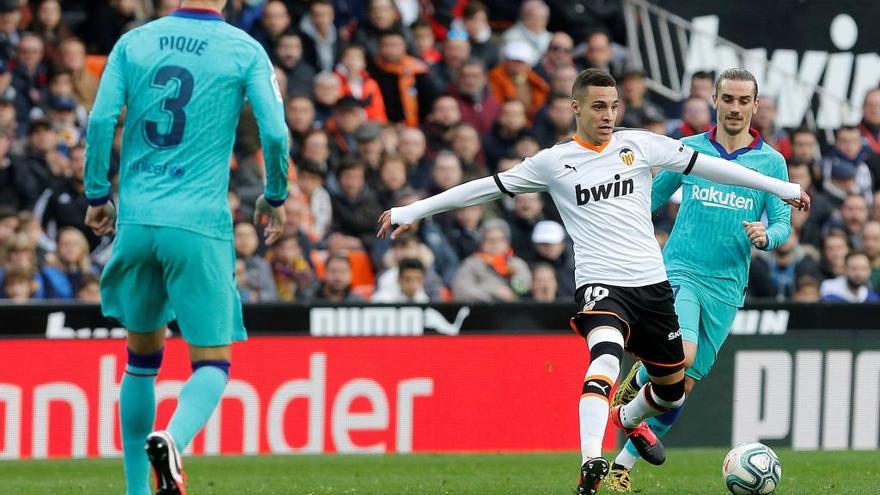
(59, 398)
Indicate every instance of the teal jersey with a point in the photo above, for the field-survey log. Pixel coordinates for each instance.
(183, 79)
(708, 246)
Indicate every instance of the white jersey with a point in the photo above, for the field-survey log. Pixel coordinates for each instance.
(604, 198)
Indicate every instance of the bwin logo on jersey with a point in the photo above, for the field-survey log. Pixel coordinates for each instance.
(627, 156)
(714, 198)
(604, 191)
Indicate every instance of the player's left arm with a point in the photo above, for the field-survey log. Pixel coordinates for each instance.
(101, 214)
(671, 154)
(778, 213)
(663, 186)
(265, 97)
(263, 92)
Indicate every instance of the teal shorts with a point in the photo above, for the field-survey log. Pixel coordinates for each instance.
(158, 274)
(704, 321)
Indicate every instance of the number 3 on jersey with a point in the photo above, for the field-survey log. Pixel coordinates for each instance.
(171, 105)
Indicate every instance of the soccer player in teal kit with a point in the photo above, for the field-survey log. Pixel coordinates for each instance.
(708, 253)
(182, 80)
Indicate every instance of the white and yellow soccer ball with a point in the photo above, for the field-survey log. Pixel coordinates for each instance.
(751, 469)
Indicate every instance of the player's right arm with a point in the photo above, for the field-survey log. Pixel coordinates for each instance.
(664, 185)
(265, 98)
(525, 177)
(99, 141)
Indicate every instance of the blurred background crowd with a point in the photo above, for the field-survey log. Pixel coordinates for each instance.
(388, 101)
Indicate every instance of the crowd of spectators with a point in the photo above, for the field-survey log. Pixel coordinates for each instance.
(388, 101)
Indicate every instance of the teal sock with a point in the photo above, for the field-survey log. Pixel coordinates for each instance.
(642, 376)
(198, 399)
(137, 412)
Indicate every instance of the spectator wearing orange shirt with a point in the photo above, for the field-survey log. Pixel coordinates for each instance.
(356, 81)
(514, 80)
(403, 79)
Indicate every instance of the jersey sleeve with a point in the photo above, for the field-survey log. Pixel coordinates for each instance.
(778, 212)
(265, 97)
(527, 176)
(102, 126)
(669, 154)
(664, 185)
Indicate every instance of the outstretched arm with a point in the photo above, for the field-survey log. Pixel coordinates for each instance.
(468, 194)
(726, 172)
(671, 154)
(527, 176)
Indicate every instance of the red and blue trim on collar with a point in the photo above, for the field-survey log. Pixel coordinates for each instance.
(200, 14)
(756, 144)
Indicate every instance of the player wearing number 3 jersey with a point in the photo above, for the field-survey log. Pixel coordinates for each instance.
(182, 80)
(601, 183)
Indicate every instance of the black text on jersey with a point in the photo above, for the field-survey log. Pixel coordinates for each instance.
(613, 189)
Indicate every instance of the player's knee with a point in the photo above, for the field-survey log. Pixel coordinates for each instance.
(668, 396)
(690, 354)
(664, 375)
(689, 385)
(146, 342)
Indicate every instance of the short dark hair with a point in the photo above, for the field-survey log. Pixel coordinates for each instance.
(328, 3)
(351, 47)
(349, 163)
(598, 30)
(591, 77)
(420, 23)
(801, 130)
(410, 264)
(337, 257)
(845, 128)
(703, 74)
(473, 8)
(392, 32)
(473, 61)
(736, 74)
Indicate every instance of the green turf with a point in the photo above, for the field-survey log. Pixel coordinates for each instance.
(692, 471)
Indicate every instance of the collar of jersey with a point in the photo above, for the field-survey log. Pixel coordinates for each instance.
(591, 147)
(201, 14)
(754, 145)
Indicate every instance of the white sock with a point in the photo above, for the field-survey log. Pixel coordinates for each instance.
(625, 459)
(592, 408)
(642, 408)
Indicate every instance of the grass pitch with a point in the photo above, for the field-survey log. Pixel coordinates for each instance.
(691, 471)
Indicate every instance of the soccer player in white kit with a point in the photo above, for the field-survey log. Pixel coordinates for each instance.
(600, 181)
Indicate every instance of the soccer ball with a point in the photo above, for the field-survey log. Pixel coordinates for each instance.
(751, 469)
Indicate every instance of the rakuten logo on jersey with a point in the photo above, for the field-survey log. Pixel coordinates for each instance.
(714, 198)
(604, 191)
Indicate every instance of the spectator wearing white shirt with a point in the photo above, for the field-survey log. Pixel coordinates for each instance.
(410, 286)
(852, 286)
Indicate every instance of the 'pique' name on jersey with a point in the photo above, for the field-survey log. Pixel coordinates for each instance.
(715, 198)
(613, 189)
